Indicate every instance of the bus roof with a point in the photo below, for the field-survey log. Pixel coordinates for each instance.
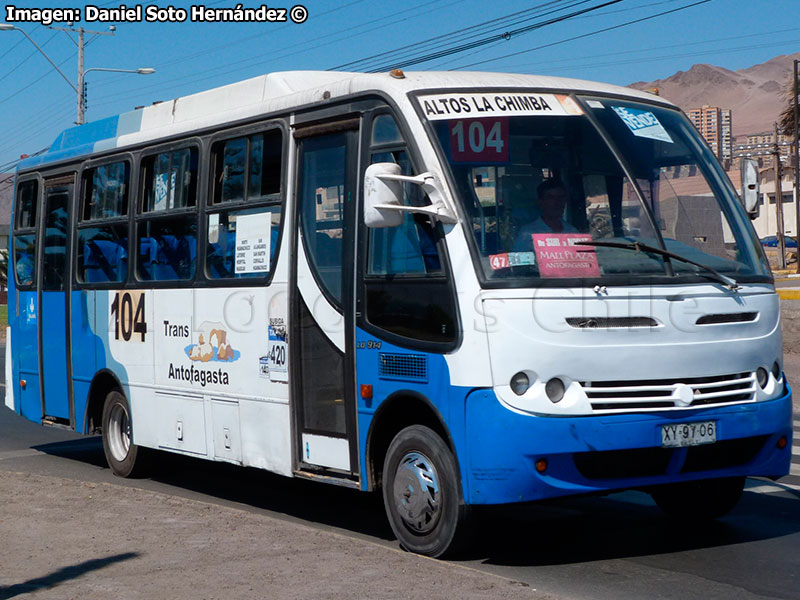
(281, 91)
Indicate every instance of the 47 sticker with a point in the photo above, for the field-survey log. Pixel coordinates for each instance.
(130, 323)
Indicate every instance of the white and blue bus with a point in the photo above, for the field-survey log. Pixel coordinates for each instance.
(461, 289)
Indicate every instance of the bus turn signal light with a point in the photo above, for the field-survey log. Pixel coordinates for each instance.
(541, 465)
(782, 442)
(23, 384)
(366, 391)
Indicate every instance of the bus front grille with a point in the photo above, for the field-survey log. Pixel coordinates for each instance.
(670, 393)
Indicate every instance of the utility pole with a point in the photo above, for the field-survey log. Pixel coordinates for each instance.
(796, 166)
(779, 201)
(81, 71)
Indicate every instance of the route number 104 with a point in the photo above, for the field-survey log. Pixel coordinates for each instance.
(475, 140)
(129, 316)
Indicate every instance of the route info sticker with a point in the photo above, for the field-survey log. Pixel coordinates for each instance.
(562, 255)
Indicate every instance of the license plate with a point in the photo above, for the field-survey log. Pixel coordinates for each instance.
(680, 435)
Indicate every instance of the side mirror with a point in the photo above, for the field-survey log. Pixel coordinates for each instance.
(383, 196)
(750, 186)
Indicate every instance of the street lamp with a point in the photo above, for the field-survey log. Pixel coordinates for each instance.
(82, 78)
(81, 71)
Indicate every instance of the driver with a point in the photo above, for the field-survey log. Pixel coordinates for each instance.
(553, 198)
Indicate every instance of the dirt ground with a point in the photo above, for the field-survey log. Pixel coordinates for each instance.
(103, 541)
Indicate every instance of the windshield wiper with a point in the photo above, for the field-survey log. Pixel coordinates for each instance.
(640, 247)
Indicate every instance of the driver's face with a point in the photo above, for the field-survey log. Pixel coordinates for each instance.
(553, 201)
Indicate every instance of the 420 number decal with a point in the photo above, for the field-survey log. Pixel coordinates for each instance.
(129, 316)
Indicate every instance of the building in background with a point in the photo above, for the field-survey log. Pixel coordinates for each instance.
(761, 146)
(715, 125)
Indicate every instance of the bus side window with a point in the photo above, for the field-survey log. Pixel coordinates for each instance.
(405, 287)
(246, 194)
(166, 227)
(102, 250)
(24, 239)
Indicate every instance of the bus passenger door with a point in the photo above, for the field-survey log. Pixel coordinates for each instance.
(322, 301)
(54, 283)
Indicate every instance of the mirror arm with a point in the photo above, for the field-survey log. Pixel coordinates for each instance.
(427, 181)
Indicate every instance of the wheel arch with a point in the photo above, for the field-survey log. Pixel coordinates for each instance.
(398, 411)
(103, 382)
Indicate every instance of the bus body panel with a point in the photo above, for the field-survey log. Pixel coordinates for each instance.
(183, 396)
(84, 353)
(53, 317)
(26, 359)
(504, 447)
(396, 372)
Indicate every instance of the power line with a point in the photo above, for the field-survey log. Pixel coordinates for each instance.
(492, 39)
(585, 35)
(438, 39)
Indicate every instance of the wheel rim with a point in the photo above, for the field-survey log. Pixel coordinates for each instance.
(416, 493)
(119, 432)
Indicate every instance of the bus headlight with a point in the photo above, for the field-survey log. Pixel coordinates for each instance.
(776, 370)
(762, 377)
(520, 383)
(554, 390)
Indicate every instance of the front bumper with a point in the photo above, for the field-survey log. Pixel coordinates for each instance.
(613, 452)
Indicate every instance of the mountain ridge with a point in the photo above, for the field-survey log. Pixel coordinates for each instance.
(755, 94)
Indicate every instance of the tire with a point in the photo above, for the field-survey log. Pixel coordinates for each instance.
(124, 458)
(421, 493)
(700, 500)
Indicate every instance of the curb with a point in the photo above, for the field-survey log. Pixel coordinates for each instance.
(788, 293)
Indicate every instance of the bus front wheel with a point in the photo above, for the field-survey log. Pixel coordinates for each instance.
(123, 456)
(703, 499)
(420, 493)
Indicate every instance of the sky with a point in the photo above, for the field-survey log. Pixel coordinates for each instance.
(614, 41)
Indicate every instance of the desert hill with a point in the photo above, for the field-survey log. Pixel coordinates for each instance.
(756, 94)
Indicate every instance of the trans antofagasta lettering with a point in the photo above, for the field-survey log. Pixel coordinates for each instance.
(473, 105)
(195, 375)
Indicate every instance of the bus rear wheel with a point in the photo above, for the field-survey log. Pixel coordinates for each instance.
(421, 493)
(123, 456)
(699, 500)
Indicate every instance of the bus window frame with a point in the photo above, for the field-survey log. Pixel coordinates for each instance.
(17, 231)
(78, 222)
(207, 206)
(138, 215)
(389, 107)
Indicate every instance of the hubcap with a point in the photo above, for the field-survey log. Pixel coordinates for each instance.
(119, 432)
(416, 492)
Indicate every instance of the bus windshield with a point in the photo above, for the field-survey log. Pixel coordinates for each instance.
(625, 175)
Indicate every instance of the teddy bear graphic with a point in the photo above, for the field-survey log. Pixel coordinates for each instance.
(212, 345)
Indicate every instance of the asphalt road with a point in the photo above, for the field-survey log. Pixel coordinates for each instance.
(617, 547)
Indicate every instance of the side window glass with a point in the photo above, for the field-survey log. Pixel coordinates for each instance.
(244, 219)
(405, 289)
(24, 240)
(324, 170)
(248, 168)
(106, 191)
(27, 196)
(411, 247)
(102, 248)
(170, 180)
(167, 248)
(166, 226)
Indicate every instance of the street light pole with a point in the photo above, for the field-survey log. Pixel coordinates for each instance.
(796, 165)
(79, 89)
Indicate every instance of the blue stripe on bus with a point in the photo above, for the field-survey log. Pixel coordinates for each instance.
(504, 447)
(434, 385)
(87, 139)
